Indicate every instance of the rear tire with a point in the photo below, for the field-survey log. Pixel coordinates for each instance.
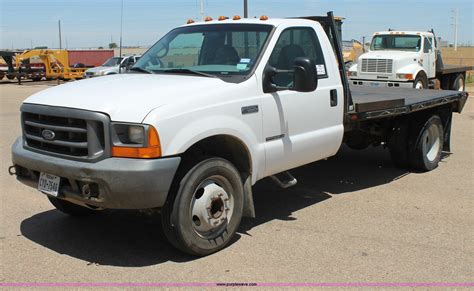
(204, 210)
(69, 208)
(428, 141)
(459, 84)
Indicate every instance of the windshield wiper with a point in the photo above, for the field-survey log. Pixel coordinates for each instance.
(188, 71)
(138, 69)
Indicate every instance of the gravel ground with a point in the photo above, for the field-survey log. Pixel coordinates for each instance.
(351, 218)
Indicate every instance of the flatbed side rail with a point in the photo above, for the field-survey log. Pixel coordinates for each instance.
(458, 99)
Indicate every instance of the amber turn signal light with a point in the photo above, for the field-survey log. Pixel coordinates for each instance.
(152, 150)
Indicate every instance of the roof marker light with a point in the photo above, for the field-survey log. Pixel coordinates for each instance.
(208, 18)
(236, 17)
(221, 18)
(190, 21)
(263, 17)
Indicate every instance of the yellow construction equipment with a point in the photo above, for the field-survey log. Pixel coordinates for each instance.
(56, 63)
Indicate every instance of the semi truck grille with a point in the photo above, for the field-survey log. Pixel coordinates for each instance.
(64, 132)
(377, 65)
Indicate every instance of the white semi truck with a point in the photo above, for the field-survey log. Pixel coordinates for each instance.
(410, 59)
(207, 112)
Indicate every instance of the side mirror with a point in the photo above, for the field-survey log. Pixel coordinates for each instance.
(305, 78)
(305, 75)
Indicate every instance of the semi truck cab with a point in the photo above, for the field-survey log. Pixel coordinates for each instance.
(410, 59)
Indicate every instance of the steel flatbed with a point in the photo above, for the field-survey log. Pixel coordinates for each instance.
(372, 103)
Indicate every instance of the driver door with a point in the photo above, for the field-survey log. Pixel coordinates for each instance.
(299, 128)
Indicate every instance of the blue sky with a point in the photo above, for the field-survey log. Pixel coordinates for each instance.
(92, 23)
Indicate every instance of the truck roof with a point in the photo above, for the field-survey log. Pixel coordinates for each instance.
(269, 21)
(406, 32)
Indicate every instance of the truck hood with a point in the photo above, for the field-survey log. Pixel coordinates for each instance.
(127, 97)
(393, 55)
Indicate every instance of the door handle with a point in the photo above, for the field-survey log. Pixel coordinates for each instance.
(333, 96)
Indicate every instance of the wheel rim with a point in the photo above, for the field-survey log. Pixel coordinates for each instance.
(419, 85)
(460, 85)
(212, 207)
(431, 143)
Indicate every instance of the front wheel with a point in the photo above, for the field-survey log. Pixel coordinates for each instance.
(420, 82)
(201, 216)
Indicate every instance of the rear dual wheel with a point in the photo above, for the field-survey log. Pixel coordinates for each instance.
(204, 210)
(419, 147)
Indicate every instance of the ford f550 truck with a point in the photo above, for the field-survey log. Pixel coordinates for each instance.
(208, 111)
(409, 59)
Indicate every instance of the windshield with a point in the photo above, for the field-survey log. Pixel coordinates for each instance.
(396, 42)
(216, 49)
(347, 45)
(112, 62)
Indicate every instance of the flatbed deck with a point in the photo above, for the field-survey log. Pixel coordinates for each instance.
(452, 69)
(370, 103)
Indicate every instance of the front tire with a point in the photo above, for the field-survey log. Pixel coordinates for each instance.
(202, 214)
(69, 208)
(421, 82)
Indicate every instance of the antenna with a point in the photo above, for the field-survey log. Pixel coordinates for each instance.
(455, 24)
(120, 48)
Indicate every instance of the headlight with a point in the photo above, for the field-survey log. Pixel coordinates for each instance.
(101, 73)
(135, 141)
(352, 73)
(405, 76)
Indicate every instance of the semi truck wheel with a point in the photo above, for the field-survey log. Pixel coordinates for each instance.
(459, 84)
(69, 208)
(428, 144)
(201, 215)
(420, 82)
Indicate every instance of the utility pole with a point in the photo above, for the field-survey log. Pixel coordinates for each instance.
(201, 11)
(455, 24)
(59, 24)
(246, 9)
(121, 29)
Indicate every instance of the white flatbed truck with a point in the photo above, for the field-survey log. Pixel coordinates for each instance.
(407, 59)
(208, 111)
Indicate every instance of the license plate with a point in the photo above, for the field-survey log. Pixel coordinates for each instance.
(49, 184)
(374, 84)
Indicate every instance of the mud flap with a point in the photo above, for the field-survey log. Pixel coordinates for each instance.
(447, 133)
(249, 208)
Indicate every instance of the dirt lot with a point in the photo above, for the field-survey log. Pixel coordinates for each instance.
(351, 218)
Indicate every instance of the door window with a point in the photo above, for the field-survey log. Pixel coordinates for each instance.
(294, 43)
(428, 46)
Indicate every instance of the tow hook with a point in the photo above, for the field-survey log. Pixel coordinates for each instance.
(12, 170)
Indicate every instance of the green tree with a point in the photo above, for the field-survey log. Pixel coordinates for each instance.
(112, 45)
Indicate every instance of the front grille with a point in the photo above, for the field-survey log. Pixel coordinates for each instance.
(377, 66)
(65, 132)
(90, 73)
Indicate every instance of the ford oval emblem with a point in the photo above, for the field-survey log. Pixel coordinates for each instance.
(48, 134)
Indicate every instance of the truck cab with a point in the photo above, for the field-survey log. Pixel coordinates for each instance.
(397, 59)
